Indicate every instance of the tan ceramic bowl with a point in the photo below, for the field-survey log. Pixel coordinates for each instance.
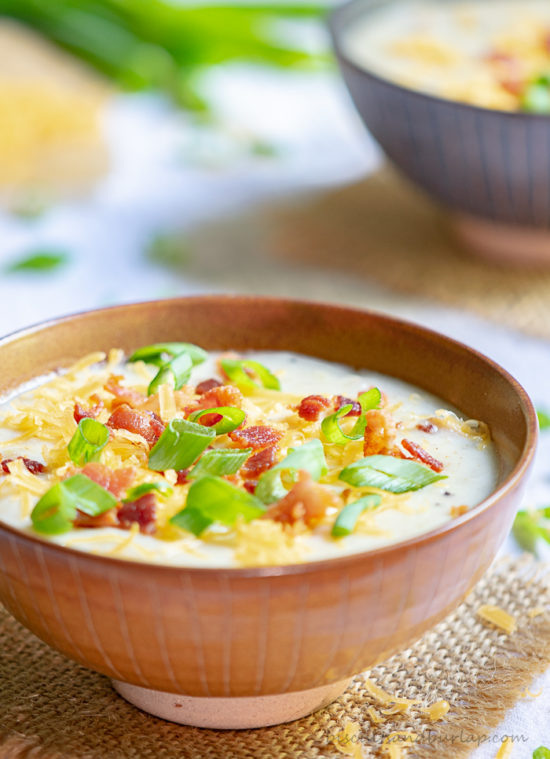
(246, 647)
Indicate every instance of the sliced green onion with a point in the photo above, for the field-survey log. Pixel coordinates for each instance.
(347, 518)
(154, 354)
(232, 418)
(309, 457)
(389, 473)
(235, 370)
(88, 441)
(55, 512)
(175, 372)
(330, 425)
(536, 97)
(529, 526)
(544, 419)
(219, 461)
(370, 399)
(211, 499)
(332, 431)
(180, 444)
(132, 494)
(541, 753)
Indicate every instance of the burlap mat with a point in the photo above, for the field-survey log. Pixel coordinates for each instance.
(52, 708)
(386, 231)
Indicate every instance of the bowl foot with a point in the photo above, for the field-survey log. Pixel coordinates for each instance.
(231, 713)
(502, 243)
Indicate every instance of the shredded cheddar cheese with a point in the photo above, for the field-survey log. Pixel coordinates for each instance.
(505, 751)
(498, 617)
(346, 742)
(437, 710)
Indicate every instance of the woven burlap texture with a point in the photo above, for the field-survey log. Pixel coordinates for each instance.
(51, 707)
(385, 231)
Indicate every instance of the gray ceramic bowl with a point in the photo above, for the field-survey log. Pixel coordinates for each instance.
(490, 168)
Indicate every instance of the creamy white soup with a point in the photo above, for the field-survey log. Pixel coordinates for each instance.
(491, 53)
(182, 457)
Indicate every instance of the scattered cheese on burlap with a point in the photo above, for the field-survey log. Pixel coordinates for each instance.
(346, 742)
(437, 710)
(536, 612)
(395, 745)
(498, 617)
(505, 751)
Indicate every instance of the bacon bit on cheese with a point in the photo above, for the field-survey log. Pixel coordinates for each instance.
(437, 710)
(536, 612)
(256, 437)
(306, 501)
(378, 433)
(498, 617)
(144, 423)
(224, 395)
(259, 462)
(34, 467)
(418, 453)
(141, 511)
(206, 385)
(93, 412)
(107, 519)
(341, 400)
(311, 407)
(123, 395)
(458, 511)
(426, 426)
(505, 750)
(115, 481)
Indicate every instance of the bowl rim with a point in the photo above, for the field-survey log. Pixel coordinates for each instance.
(514, 477)
(336, 22)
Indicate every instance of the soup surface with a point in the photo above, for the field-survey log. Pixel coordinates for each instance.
(491, 53)
(176, 456)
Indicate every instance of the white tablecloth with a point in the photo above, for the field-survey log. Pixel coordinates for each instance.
(166, 174)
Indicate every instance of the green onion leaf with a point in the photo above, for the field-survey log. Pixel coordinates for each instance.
(541, 753)
(389, 473)
(235, 370)
(211, 499)
(529, 526)
(55, 512)
(332, 431)
(155, 354)
(163, 488)
(39, 261)
(370, 399)
(180, 444)
(544, 419)
(219, 461)
(88, 441)
(347, 518)
(536, 97)
(309, 457)
(232, 418)
(175, 372)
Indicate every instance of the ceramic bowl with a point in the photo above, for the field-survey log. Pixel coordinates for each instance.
(256, 646)
(489, 168)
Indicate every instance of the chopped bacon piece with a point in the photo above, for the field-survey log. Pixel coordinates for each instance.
(209, 420)
(206, 385)
(250, 486)
(306, 500)
(182, 476)
(144, 423)
(143, 511)
(34, 467)
(311, 406)
(378, 433)
(341, 400)
(421, 455)
(80, 412)
(116, 481)
(107, 519)
(123, 394)
(224, 395)
(512, 85)
(256, 437)
(427, 426)
(259, 462)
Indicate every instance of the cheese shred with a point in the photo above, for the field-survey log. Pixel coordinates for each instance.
(498, 617)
